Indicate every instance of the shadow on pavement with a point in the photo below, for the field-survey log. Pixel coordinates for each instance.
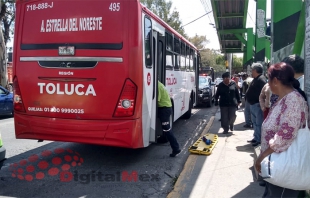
(252, 190)
(2, 117)
(245, 148)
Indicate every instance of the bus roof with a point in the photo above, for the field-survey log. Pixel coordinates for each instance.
(163, 23)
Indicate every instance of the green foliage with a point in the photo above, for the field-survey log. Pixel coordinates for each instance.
(162, 9)
(237, 64)
(220, 60)
(213, 58)
(209, 57)
(199, 41)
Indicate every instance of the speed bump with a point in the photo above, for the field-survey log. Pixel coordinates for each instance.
(202, 147)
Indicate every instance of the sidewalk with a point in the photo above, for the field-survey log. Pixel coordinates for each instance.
(227, 172)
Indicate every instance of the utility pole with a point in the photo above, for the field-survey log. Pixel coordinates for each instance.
(228, 63)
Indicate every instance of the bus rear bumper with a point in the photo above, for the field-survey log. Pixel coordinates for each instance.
(103, 132)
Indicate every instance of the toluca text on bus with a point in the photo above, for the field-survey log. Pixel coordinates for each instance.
(90, 74)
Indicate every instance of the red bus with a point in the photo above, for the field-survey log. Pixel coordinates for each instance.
(87, 72)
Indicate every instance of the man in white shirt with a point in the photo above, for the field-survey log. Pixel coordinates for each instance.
(298, 65)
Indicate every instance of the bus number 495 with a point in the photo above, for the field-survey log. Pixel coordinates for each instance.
(115, 7)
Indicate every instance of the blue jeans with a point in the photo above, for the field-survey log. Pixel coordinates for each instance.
(164, 117)
(247, 113)
(257, 119)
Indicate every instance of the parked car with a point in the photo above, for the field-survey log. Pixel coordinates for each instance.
(206, 91)
(6, 102)
(218, 81)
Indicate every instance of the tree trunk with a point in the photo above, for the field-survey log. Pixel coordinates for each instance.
(3, 62)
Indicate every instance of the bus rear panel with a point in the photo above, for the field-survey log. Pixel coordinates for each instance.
(76, 74)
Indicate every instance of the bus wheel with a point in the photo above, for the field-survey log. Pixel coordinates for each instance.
(163, 139)
(188, 114)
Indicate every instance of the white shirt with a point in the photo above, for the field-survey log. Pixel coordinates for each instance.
(301, 82)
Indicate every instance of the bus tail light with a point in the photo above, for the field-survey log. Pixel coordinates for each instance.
(18, 102)
(126, 103)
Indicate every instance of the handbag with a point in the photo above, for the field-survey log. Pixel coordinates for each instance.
(291, 168)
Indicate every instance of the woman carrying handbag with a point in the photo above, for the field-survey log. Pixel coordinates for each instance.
(283, 122)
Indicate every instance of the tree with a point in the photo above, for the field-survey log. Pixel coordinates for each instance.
(237, 64)
(162, 9)
(7, 17)
(219, 67)
(199, 41)
(209, 57)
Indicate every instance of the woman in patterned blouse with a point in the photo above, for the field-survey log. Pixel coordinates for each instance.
(280, 127)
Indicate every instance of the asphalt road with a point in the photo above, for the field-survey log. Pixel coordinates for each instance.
(61, 169)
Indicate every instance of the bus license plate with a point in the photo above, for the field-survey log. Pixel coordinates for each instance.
(66, 50)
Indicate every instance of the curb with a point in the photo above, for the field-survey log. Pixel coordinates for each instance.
(188, 167)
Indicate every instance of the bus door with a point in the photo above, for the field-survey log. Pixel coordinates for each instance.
(161, 70)
(158, 72)
(161, 74)
(152, 137)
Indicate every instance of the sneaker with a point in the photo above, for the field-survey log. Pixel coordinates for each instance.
(247, 126)
(225, 132)
(174, 153)
(251, 141)
(256, 144)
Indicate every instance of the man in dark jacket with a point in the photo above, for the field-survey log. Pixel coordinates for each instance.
(229, 101)
(252, 96)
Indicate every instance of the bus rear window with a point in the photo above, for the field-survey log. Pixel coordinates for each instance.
(68, 64)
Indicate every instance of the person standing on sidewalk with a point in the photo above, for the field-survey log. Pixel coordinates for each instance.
(229, 96)
(298, 65)
(247, 112)
(264, 99)
(238, 83)
(286, 117)
(252, 96)
(164, 112)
